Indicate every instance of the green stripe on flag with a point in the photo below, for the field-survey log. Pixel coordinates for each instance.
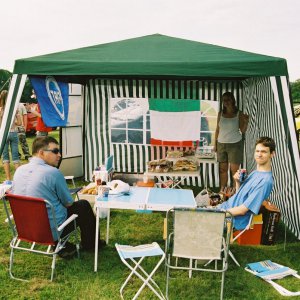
(174, 105)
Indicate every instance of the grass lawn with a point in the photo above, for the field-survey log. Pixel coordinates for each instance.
(75, 279)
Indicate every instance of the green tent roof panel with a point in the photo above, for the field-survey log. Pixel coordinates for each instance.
(153, 55)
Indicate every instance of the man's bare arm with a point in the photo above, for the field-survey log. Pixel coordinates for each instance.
(238, 210)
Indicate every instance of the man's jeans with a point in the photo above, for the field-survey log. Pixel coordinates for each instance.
(12, 141)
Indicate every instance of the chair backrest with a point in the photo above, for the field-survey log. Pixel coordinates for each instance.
(109, 163)
(198, 233)
(31, 219)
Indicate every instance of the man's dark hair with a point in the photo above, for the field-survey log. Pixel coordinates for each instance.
(42, 142)
(267, 142)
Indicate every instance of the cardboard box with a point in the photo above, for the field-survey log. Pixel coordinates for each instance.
(103, 212)
(271, 217)
(88, 197)
(253, 235)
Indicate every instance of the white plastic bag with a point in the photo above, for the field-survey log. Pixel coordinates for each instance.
(202, 199)
(118, 186)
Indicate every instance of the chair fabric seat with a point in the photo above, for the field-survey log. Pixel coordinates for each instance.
(140, 251)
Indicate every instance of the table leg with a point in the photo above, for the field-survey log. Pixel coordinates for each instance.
(96, 239)
(177, 182)
(205, 174)
(160, 182)
(107, 226)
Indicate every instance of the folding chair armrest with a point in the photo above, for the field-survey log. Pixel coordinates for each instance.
(75, 190)
(111, 170)
(246, 228)
(239, 234)
(68, 221)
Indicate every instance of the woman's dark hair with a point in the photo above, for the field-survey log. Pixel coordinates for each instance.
(231, 97)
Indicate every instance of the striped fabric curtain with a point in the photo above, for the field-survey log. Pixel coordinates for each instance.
(133, 158)
(13, 98)
(265, 104)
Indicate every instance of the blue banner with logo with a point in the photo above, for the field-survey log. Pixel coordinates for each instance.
(53, 97)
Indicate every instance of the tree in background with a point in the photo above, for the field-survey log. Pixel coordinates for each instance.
(295, 87)
(5, 77)
(27, 92)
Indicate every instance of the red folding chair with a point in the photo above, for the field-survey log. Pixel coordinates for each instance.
(31, 228)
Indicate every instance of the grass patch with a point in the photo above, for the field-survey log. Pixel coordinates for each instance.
(75, 279)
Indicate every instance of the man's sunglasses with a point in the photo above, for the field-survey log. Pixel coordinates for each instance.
(55, 150)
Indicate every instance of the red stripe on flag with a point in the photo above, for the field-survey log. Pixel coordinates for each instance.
(156, 142)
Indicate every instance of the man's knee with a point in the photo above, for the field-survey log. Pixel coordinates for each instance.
(82, 203)
(81, 206)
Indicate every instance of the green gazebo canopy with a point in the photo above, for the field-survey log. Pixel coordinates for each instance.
(153, 55)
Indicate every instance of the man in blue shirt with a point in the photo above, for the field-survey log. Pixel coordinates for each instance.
(255, 189)
(41, 178)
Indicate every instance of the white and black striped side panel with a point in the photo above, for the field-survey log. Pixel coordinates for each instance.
(289, 197)
(265, 120)
(131, 157)
(96, 133)
(13, 98)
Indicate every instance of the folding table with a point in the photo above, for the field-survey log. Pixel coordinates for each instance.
(176, 177)
(139, 198)
(173, 178)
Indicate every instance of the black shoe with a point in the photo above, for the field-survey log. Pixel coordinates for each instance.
(68, 251)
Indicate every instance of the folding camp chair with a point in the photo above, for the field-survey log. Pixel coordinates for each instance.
(31, 228)
(128, 255)
(71, 177)
(197, 234)
(270, 271)
(109, 165)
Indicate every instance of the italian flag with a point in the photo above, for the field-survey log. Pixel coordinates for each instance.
(174, 122)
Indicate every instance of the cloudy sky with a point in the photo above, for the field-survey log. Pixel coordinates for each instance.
(36, 27)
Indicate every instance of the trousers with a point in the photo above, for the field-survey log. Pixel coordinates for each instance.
(86, 221)
(12, 142)
(23, 142)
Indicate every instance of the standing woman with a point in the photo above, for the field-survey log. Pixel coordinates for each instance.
(12, 139)
(231, 124)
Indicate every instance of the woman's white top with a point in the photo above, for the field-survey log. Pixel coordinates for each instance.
(229, 130)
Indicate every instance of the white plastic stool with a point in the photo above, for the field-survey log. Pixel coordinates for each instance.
(129, 254)
(71, 177)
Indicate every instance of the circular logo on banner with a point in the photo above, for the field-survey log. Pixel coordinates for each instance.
(55, 96)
